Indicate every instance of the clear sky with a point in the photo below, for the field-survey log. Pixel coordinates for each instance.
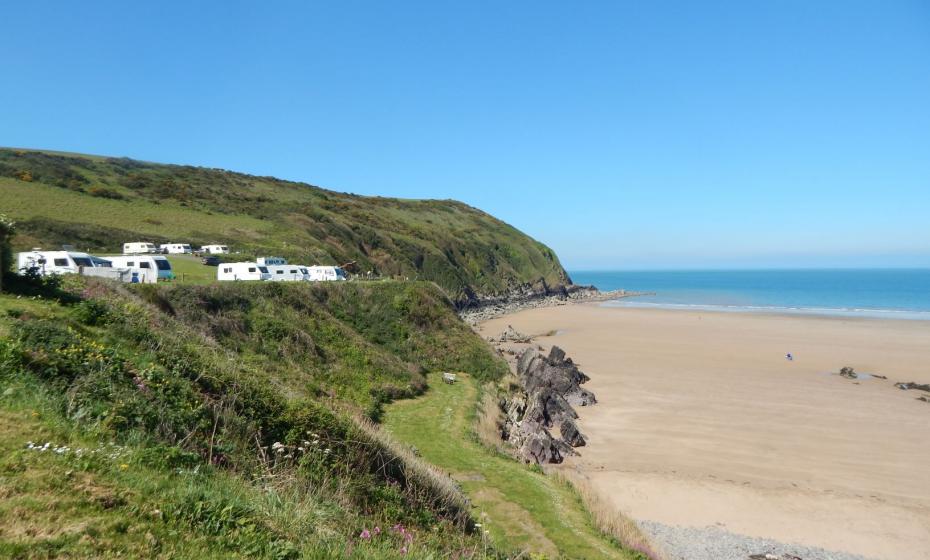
(622, 134)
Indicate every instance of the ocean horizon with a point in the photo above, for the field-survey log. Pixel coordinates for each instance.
(902, 293)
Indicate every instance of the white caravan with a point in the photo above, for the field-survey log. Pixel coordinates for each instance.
(242, 271)
(271, 261)
(325, 273)
(150, 268)
(139, 248)
(176, 248)
(215, 249)
(287, 273)
(53, 262)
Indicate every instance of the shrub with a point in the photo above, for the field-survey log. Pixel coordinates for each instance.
(7, 230)
(91, 312)
(102, 192)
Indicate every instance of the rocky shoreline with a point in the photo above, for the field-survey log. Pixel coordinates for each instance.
(539, 418)
(496, 307)
(538, 410)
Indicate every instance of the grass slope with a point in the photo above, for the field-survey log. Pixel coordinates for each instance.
(193, 447)
(97, 203)
(522, 508)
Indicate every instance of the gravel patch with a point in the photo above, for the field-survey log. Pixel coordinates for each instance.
(713, 543)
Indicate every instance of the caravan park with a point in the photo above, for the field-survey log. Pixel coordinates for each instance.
(146, 263)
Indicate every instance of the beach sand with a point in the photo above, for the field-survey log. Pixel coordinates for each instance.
(701, 421)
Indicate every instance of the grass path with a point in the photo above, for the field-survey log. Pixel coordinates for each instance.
(523, 509)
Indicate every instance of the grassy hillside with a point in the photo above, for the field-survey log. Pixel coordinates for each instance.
(170, 431)
(97, 203)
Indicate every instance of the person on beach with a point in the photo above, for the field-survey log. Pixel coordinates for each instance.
(789, 357)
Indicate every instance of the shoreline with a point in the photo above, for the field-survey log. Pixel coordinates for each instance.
(825, 312)
(702, 426)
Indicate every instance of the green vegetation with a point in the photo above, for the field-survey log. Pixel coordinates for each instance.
(97, 203)
(361, 343)
(7, 228)
(522, 508)
(196, 443)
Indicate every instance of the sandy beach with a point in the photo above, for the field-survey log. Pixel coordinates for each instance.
(702, 422)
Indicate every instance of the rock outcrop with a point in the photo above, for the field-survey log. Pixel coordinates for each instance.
(550, 389)
(913, 386)
(511, 335)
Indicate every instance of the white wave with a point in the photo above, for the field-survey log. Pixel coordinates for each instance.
(825, 311)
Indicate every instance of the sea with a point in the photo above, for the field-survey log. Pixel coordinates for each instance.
(880, 293)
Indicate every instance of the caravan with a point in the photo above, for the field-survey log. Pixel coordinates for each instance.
(139, 248)
(149, 268)
(242, 271)
(325, 273)
(176, 248)
(287, 273)
(215, 249)
(53, 262)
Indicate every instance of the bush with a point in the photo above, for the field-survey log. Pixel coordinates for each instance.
(102, 192)
(7, 230)
(91, 312)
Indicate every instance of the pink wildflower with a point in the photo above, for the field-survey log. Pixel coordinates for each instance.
(365, 534)
(377, 530)
(403, 549)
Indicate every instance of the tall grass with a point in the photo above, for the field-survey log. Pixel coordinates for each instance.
(607, 518)
(489, 420)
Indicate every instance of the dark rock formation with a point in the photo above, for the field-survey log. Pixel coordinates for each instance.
(570, 434)
(551, 387)
(512, 335)
(911, 385)
(848, 373)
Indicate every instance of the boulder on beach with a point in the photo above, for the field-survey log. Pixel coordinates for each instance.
(550, 389)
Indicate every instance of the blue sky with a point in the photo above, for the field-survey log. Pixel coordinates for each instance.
(622, 134)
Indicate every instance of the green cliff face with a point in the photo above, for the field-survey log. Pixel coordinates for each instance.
(97, 203)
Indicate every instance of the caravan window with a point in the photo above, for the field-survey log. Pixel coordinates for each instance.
(61, 262)
(163, 265)
(251, 269)
(227, 269)
(262, 268)
(130, 264)
(144, 265)
(83, 261)
(279, 272)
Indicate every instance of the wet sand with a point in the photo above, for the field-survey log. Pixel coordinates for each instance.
(702, 421)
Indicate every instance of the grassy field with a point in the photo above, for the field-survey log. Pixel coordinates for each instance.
(97, 203)
(188, 270)
(522, 508)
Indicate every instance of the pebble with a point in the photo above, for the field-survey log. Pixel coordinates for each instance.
(714, 543)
